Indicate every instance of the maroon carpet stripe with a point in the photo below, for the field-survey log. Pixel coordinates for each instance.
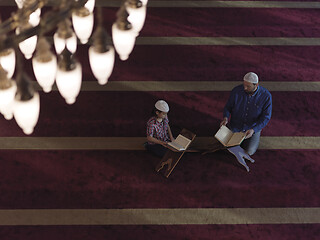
(124, 114)
(210, 63)
(231, 22)
(239, 232)
(226, 22)
(220, 22)
(215, 63)
(120, 179)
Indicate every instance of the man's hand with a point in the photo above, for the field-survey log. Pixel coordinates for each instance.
(224, 122)
(249, 133)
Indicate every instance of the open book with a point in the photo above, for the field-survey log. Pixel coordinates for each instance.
(229, 138)
(180, 143)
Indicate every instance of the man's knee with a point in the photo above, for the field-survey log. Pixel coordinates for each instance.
(251, 145)
(251, 150)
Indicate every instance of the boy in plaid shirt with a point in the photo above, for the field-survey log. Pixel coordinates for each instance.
(158, 130)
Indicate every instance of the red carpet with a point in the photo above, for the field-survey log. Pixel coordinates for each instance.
(186, 232)
(210, 63)
(102, 179)
(232, 22)
(126, 179)
(218, 63)
(124, 114)
(226, 22)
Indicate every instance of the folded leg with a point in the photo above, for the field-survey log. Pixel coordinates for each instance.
(241, 155)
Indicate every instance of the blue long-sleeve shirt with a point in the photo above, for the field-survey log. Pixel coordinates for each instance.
(248, 112)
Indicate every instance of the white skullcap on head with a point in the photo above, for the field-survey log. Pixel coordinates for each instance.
(251, 77)
(162, 106)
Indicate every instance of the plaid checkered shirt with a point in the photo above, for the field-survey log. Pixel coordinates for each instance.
(158, 130)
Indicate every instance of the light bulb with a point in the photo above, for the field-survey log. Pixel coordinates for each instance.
(7, 100)
(45, 72)
(34, 18)
(123, 40)
(101, 64)
(26, 113)
(137, 16)
(144, 2)
(44, 65)
(83, 24)
(60, 43)
(19, 3)
(69, 83)
(28, 46)
(8, 61)
(90, 5)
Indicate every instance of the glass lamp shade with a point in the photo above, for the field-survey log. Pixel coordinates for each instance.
(28, 46)
(19, 3)
(69, 83)
(8, 62)
(45, 72)
(61, 43)
(34, 18)
(101, 64)
(137, 17)
(83, 26)
(144, 2)
(7, 100)
(27, 112)
(90, 5)
(123, 41)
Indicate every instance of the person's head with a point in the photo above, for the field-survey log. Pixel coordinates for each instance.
(161, 109)
(250, 82)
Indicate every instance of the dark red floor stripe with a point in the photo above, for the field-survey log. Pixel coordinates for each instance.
(214, 63)
(209, 63)
(104, 179)
(124, 114)
(231, 22)
(239, 232)
(218, 22)
(226, 22)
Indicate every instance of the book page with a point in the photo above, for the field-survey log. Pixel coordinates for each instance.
(183, 141)
(224, 134)
(180, 143)
(176, 146)
(236, 138)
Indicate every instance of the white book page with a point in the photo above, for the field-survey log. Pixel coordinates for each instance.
(224, 134)
(176, 146)
(180, 143)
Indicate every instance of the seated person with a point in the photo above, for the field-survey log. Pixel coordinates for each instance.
(158, 130)
(249, 108)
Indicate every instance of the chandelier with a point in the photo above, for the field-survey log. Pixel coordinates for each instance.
(25, 36)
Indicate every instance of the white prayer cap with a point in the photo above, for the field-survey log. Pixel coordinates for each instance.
(162, 106)
(251, 77)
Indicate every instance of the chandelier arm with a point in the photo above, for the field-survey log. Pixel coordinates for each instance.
(17, 17)
(49, 23)
(100, 38)
(25, 90)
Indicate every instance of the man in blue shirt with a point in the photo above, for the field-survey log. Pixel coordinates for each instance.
(249, 109)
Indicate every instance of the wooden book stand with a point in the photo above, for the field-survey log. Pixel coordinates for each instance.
(173, 156)
(237, 151)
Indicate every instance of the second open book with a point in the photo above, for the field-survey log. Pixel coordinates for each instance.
(229, 138)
